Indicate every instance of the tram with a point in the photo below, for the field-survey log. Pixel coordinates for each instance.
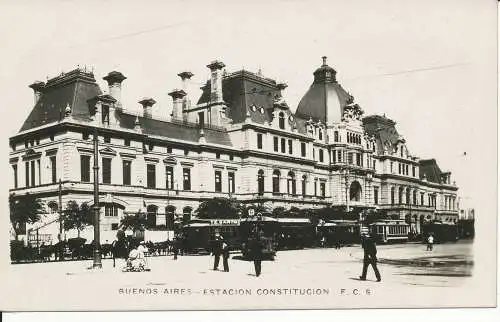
(390, 231)
(339, 232)
(442, 232)
(199, 233)
(264, 226)
(295, 233)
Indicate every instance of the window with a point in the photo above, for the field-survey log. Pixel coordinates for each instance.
(303, 149)
(186, 151)
(399, 168)
(127, 170)
(291, 188)
(186, 175)
(282, 120)
(33, 182)
(304, 180)
(259, 140)
(260, 182)
(230, 182)
(350, 158)
(320, 134)
(374, 164)
(106, 170)
(169, 176)
(151, 147)
(126, 142)
(413, 171)
(334, 156)
(110, 210)
(39, 168)
(37, 141)
(217, 155)
(339, 156)
(283, 145)
(25, 144)
(400, 195)
(231, 157)
(218, 181)
(275, 141)
(407, 169)
(169, 149)
(375, 195)
(105, 114)
(290, 147)
(107, 139)
(114, 226)
(53, 167)
(85, 136)
(392, 166)
(201, 119)
(27, 174)
(276, 181)
(51, 137)
(315, 187)
(322, 189)
(422, 198)
(336, 136)
(85, 168)
(151, 176)
(320, 155)
(414, 197)
(14, 168)
(401, 151)
(392, 195)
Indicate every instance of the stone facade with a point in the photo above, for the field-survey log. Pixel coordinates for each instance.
(240, 140)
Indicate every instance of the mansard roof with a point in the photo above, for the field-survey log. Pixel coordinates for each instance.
(73, 89)
(384, 131)
(430, 170)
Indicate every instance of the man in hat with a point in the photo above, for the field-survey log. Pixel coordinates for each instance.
(370, 255)
(225, 255)
(217, 250)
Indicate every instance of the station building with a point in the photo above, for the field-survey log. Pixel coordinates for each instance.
(239, 140)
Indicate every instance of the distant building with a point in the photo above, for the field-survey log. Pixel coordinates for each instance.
(240, 140)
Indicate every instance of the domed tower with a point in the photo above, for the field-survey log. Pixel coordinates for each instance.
(326, 99)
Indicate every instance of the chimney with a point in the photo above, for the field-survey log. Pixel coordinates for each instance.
(216, 81)
(185, 76)
(281, 87)
(37, 89)
(177, 96)
(147, 104)
(115, 80)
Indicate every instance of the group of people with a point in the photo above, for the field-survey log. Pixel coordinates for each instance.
(221, 248)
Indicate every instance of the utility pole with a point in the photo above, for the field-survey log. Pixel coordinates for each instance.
(97, 236)
(60, 212)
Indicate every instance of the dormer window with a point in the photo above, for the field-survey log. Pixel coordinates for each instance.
(105, 114)
(282, 120)
(401, 151)
(320, 134)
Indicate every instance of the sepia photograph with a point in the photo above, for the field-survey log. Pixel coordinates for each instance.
(253, 155)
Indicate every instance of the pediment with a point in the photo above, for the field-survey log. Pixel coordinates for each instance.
(107, 151)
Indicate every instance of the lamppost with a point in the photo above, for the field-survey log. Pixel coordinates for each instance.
(97, 236)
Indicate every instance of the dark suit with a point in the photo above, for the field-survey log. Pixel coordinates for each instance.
(370, 257)
(217, 251)
(225, 257)
(257, 254)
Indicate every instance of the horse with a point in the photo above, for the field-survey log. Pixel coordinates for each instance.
(119, 249)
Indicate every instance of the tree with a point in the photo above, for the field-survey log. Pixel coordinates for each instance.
(278, 212)
(24, 210)
(77, 217)
(135, 221)
(218, 208)
(258, 208)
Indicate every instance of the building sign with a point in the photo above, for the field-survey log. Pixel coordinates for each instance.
(224, 222)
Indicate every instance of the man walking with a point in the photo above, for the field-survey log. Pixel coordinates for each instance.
(370, 256)
(217, 250)
(256, 248)
(225, 255)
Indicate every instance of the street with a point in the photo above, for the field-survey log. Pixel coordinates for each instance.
(293, 279)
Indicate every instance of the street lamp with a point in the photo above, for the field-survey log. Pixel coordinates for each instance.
(97, 236)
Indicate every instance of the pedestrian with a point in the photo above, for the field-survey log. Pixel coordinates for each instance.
(225, 255)
(370, 256)
(430, 242)
(256, 248)
(217, 250)
(175, 247)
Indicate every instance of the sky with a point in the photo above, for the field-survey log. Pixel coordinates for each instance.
(428, 65)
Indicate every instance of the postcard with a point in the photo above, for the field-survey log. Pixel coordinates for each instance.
(213, 155)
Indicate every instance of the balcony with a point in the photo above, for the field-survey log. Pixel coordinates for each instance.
(404, 206)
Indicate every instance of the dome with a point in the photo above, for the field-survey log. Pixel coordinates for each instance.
(325, 100)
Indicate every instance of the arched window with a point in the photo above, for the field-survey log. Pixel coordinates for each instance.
(53, 207)
(291, 183)
(400, 195)
(170, 217)
(151, 211)
(355, 191)
(304, 180)
(393, 192)
(260, 182)
(282, 120)
(320, 134)
(276, 181)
